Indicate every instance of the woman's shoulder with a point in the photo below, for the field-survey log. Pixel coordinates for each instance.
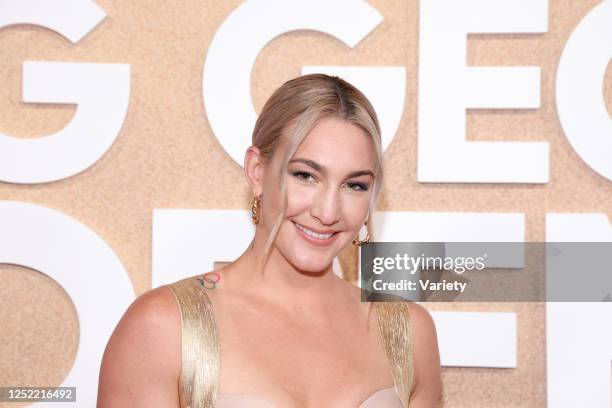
(153, 316)
(146, 340)
(418, 314)
(191, 291)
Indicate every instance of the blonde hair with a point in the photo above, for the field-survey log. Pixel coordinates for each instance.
(295, 108)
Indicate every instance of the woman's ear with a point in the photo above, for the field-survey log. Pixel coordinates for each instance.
(253, 169)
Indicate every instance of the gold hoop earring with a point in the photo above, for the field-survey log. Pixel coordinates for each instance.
(255, 205)
(357, 242)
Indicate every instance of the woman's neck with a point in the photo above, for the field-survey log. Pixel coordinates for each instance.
(280, 282)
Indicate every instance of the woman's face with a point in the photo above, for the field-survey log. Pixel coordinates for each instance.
(329, 186)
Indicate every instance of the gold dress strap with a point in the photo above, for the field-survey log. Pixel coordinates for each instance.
(199, 380)
(395, 332)
(200, 349)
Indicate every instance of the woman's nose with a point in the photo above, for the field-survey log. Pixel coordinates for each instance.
(326, 207)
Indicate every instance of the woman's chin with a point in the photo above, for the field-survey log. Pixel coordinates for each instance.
(312, 267)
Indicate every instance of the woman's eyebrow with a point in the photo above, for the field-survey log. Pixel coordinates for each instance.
(320, 168)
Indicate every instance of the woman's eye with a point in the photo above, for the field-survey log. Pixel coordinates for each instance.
(302, 175)
(309, 178)
(358, 186)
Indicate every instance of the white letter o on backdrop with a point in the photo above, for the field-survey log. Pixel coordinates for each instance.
(84, 265)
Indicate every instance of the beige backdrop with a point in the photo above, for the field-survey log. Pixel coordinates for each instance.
(166, 157)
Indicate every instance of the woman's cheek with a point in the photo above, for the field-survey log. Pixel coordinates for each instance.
(356, 209)
(272, 205)
(299, 198)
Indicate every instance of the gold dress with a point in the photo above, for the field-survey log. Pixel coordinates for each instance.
(200, 354)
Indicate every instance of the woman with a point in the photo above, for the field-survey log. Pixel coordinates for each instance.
(279, 328)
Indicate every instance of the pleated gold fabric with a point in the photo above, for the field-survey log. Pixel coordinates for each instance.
(200, 355)
(395, 332)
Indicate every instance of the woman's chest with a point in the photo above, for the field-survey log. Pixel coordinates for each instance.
(297, 360)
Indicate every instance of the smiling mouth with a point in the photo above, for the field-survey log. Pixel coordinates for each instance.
(313, 234)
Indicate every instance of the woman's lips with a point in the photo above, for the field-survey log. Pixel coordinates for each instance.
(313, 240)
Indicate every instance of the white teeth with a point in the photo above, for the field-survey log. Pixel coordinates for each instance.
(313, 234)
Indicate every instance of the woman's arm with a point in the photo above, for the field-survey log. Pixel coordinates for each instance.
(141, 364)
(427, 382)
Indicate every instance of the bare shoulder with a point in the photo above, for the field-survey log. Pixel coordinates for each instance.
(427, 387)
(421, 320)
(141, 363)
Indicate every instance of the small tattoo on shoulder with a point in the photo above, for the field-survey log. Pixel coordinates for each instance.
(209, 280)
